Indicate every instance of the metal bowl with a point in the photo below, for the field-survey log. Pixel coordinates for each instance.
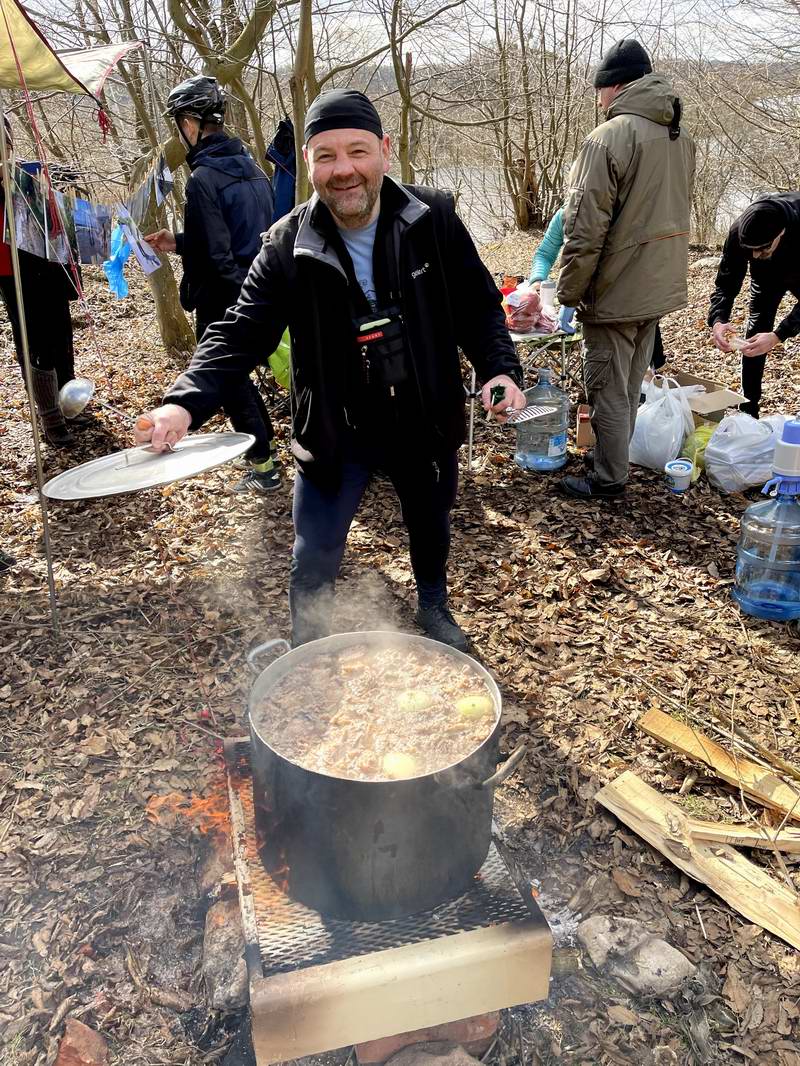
(74, 396)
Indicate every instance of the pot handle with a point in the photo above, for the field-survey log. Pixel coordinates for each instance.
(507, 769)
(256, 652)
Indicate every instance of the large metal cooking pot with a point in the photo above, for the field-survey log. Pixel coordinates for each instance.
(371, 850)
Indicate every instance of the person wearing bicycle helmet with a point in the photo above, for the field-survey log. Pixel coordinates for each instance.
(229, 205)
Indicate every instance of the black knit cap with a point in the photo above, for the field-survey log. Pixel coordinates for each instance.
(760, 223)
(342, 109)
(625, 62)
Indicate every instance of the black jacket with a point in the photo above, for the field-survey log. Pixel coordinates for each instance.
(446, 296)
(228, 207)
(770, 278)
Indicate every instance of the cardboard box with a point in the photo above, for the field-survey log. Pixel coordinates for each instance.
(708, 406)
(584, 434)
(711, 405)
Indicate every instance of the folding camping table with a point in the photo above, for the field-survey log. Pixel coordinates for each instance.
(570, 356)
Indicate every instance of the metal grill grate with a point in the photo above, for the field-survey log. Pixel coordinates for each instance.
(291, 937)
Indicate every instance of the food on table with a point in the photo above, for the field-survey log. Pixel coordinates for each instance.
(377, 713)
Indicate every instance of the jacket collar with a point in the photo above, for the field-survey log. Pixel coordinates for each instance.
(215, 144)
(313, 233)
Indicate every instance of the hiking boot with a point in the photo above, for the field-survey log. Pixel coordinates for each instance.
(45, 393)
(261, 482)
(440, 625)
(587, 488)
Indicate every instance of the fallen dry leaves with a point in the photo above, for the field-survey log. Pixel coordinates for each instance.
(572, 608)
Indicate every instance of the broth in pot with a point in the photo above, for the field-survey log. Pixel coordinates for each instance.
(370, 713)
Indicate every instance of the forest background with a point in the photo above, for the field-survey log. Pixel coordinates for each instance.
(488, 98)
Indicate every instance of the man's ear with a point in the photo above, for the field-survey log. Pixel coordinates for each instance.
(386, 148)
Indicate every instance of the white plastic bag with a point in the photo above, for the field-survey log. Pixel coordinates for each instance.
(662, 424)
(741, 451)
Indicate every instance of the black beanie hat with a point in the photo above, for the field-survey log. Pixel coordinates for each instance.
(342, 109)
(760, 223)
(625, 62)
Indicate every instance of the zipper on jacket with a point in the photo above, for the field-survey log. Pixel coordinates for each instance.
(409, 350)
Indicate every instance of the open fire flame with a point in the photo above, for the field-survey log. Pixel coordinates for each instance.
(207, 814)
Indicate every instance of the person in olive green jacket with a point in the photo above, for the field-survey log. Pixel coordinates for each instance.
(626, 241)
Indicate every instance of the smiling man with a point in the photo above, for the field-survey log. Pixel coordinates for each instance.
(379, 284)
(765, 237)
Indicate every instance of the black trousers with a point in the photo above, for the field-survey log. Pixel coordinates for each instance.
(47, 317)
(245, 407)
(426, 489)
(764, 303)
(658, 358)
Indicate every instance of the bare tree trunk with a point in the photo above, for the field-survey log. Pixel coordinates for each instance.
(252, 113)
(404, 142)
(175, 329)
(304, 89)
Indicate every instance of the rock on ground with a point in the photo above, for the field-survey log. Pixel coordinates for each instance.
(434, 1053)
(224, 968)
(626, 950)
(81, 1046)
(709, 262)
(473, 1035)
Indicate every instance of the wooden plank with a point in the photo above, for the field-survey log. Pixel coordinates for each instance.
(746, 887)
(746, 836)
(756, 781)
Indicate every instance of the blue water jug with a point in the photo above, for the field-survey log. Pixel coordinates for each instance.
(767, 582)
(542, 442)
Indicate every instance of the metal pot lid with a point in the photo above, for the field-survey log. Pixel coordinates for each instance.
(142, 468)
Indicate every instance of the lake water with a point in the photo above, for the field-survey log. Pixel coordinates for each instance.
(484, 203)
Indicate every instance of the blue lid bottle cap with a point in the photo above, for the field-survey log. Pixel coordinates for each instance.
(791, 432)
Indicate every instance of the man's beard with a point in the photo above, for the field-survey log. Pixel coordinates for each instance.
(354, 209)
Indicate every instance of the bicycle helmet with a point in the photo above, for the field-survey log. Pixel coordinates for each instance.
(200, 97)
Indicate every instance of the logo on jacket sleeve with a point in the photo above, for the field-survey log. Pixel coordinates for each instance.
(420, 271)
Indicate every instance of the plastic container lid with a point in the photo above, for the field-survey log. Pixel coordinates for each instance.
(787, 451)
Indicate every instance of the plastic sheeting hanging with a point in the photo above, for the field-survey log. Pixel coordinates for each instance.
(114, 268)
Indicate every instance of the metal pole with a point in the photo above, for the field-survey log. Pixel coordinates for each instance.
(8, 191)
(471, 420)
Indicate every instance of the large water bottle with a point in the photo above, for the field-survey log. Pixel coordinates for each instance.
(542, 442)
(767, 581)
